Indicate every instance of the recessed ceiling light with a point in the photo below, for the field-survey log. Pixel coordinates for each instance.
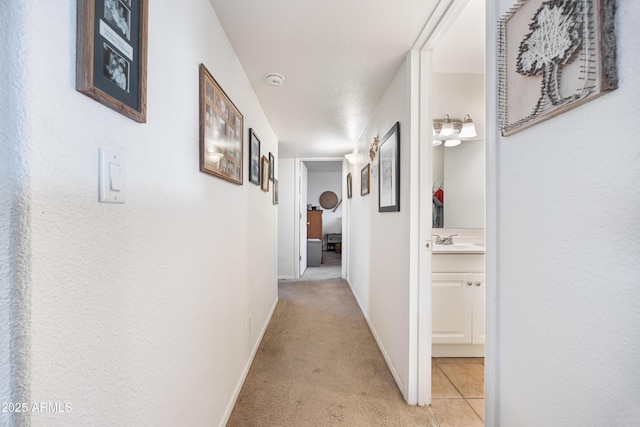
(274, 79)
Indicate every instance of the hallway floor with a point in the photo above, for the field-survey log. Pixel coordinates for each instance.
(457, 388)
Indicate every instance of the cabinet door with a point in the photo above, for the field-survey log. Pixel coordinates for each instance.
(314, 225)
(452, 295)
(478, 308)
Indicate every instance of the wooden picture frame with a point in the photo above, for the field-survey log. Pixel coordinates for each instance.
(552, 57)
(221, 131)
(349, 185)
(365, 175)
(272, 167)
(111, 54)
(389, 171)
(254, 158)
(264, 175)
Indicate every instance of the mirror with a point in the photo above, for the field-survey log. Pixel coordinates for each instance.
(460, 171)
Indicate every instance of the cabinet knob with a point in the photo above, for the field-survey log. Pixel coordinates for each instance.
(478, 283)
(469, 283)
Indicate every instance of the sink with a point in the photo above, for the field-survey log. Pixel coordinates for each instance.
(466, 247)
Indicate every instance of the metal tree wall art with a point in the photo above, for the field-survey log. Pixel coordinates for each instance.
(553, 56)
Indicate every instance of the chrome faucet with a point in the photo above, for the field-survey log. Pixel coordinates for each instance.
(444, 240)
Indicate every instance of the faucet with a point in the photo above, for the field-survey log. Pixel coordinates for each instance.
(444, 240)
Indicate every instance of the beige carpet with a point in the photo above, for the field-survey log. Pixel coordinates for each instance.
(318, 365)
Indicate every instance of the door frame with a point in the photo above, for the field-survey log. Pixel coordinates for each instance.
(302, 216)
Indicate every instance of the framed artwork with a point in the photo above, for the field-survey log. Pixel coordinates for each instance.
(349, 185)
(264, 179)
(553, 56)
(389, 171)
(364, 180)
(221, 129)
(272, 167)
(254, 158)
(275, 192)
(111, 57)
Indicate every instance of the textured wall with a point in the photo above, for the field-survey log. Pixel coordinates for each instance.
(379, 242)
(145, 313)
(568, 244)
(14, 214)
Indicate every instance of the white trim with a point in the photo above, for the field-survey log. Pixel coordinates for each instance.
(491, 387)
(392, 368)
(425, 221)
(245, 372)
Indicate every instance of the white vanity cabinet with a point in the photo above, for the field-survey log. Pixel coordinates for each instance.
(458, 292)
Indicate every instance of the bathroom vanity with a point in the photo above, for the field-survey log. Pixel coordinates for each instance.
(458, 292)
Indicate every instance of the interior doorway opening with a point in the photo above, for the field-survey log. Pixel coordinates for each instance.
(321, 219)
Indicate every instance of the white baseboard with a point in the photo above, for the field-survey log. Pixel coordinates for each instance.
(392, 368)
(243, 377)
(457, 350)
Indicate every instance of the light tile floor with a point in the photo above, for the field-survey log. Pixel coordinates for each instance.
(457, 389)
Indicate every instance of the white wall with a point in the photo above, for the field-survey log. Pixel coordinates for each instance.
(318, 183)
(379, 242)
(568, 243)
(145, 313)
(287, 213)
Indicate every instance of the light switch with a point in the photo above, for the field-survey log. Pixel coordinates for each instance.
(115, 181)
(111, 177)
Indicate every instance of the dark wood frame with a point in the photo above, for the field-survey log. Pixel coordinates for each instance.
(365, 185)
(98, 37)
(349, 185)
(221, 131)
(264, 174)
(272, 167)
(389, 170)
(254, 158)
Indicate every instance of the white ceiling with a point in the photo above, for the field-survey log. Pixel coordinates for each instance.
(338, 57)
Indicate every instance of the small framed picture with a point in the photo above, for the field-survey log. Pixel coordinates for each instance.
(265, 174)
(349, 185)
(111, 59)
(254, 158)
(275, 192)
(272, 167)
(364, 180)
(389, 171)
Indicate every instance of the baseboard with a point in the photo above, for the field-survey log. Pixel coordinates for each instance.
(243, 377)
(457, 350)
(387, 359)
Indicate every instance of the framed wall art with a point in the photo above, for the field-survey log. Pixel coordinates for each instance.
(349, 186)
(264, 178)
(221, 130)
(254, 158)
(272, 167)
(553, 55)
(389, 171)
(111, 57)
(364, 180)
(276, 196)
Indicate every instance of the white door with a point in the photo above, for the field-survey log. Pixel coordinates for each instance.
(478, 308)
(302, 208)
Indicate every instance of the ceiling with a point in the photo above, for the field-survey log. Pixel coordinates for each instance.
(337, 57)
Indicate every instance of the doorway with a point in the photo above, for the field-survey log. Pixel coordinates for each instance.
(321, 214)
(452, 87)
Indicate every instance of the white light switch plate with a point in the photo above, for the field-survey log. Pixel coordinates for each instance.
(112, 177)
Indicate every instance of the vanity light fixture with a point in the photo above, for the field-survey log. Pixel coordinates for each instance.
(452, 131)
(452, 142)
